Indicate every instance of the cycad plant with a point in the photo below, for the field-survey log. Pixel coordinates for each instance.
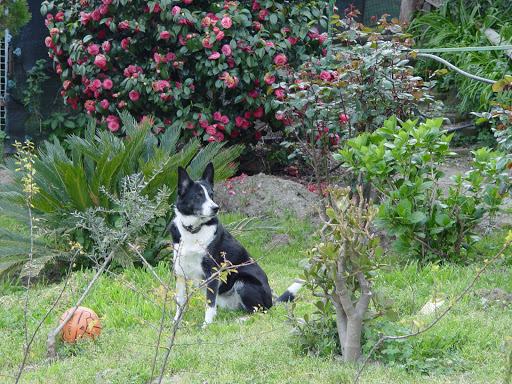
(91, 170)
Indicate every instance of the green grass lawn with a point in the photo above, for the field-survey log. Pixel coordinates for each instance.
(467, 346)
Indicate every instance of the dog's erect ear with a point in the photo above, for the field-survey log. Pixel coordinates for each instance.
(208, 173)
(184, 181)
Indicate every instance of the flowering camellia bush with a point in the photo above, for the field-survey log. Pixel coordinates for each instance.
(204, 67)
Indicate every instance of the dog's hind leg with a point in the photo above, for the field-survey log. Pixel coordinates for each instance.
(212, 290)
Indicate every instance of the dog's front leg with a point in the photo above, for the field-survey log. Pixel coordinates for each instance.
(212, 289)
(181, 296)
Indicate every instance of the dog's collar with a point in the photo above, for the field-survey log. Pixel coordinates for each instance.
(191, 229)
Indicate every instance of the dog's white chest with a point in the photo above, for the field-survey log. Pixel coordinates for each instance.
(191, 251)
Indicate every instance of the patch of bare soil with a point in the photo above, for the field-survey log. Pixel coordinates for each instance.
(5, 176)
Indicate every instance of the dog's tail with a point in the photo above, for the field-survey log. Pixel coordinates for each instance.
(291, 292)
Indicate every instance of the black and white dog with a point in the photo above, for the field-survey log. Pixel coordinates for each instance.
(201, 245)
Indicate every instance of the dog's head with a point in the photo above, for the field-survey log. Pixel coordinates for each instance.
(195, 198)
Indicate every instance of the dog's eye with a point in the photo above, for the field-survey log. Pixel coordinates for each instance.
(199, 195)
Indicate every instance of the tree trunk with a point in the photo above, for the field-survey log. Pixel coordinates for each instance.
(407, 7)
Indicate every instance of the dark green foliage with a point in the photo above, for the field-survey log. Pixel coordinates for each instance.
(14, 14)
(91, 169)
(457, 25)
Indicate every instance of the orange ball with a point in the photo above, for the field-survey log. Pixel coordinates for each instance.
(84, 322)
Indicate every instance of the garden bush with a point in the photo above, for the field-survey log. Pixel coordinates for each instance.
(367, 79)
(90, 174)
(402, 162)
(203, 67)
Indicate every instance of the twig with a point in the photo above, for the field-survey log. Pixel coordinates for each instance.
(450, 307)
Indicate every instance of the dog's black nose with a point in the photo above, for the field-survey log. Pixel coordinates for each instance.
(215, 209)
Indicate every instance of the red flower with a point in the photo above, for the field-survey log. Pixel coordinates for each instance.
(96, 83)
(112, 123)
(175, 10)
(211, 130)
(49, 42)
(343, 118)
(253, 94)
(164, 35)
(269, 79)
(134, 95)
(226, 50)
(85, 17)
(325, 76)
(96, 15)
(93, 49)
(104, 103)
(226, 22)
(214, 56)
(258, 113)
(125, 43)
(107, 84)
(279, 94)
(59, 16)
(262, 14)
(89, 106)
(100, 61)
(280, 59)
(106, 46)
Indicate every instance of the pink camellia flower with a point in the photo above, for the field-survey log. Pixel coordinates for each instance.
(224, 119)
(226, 50)
(219, 36)
(59, 16)
(270, 44)
(134, 95)
(89, 106)
(257, 135)
(103, 9)
(226, 22)
(106, 46)
(217, 115)
(269, 79)
(107, 84)
(334, 140)
(214, 56)
(190, 125)
(257, 25)
(211, 130)
(262, 14)
(54, 31)
(124, 25)
(344, 118)
(206, 22)
(175, 10)
(70, 62)
(125, 43)
(96, 15)
(121, 104)
(258, 113)
(231, 63)
(93, 49)
(164, 35)
(313, 33)
(279, 94)
(324, 75)
(280, 59)
(85, 17)
(157, 8)
(100, 61)
(112, 123)
(49, 42)
(107, 2)
(255, 6)
(96, 83)
(279, 115)
(67, 84)
(322, 37)
(229, 81)
(253, 94)
(187, 1)
(170, 56)
(104, 103)
(292, 40)
(182, 40)
(219, 136)
(206, 43)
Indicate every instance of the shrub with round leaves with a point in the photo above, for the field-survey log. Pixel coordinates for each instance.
(201, 66)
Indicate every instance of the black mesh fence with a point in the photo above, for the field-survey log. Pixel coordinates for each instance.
(369, 9)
